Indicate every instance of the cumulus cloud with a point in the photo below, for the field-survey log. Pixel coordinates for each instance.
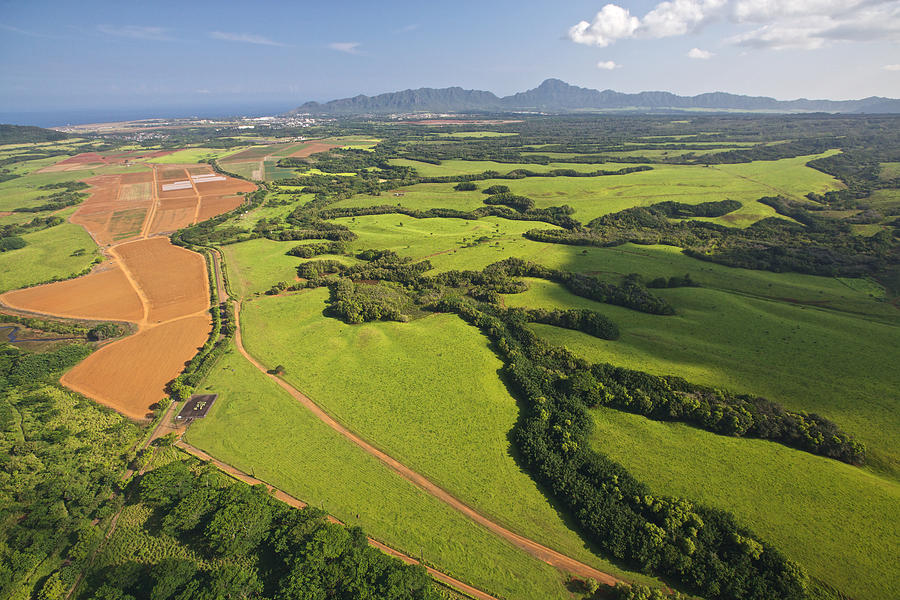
(700, 54)
(348, 47)
(610, 24)
(608, 65)
(246, 38)
(775, 24)
(679, 17)
(891, 67)
(138, 32)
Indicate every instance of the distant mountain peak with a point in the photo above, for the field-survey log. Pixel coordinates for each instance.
(555, 95)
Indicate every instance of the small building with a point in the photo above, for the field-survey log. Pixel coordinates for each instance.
(195, 408)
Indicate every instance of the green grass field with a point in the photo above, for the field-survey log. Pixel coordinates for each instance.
(838, 365)
(256, 265)
(838, 521)
(592, 197)
(47, 255)
(426, 392)
(260, 429)
(193, 155)
(890, 170)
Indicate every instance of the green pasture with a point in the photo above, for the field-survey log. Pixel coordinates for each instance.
(426, 392)
(447, 243)
(889, 170)
(256, 265)
(838, 365)
(47, 255)
(471, 167)
(884, 199)
(257, 427)
(592, 197)
(192, 155)
(839, 522)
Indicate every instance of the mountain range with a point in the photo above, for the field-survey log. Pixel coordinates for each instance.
(557, 96)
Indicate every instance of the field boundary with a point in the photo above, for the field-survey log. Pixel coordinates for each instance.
(279, 494)
(543, 553)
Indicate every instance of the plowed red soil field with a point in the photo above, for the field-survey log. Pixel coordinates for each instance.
(172, 280)
(102, 294)
(130, 375)
(312, 148)
(116, 207)
(88, 160)
(162, 288)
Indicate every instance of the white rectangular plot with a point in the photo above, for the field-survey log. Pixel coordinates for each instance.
(206, 178)
(178, 185)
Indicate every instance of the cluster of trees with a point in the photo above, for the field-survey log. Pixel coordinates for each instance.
(311, 250)
(555, 215)
(631, 293)
(523, 173)
(54, 201)
(519, 203)
(105, 331)
(465, 186)
(11, 234)
(360, 302)
(584, 320)
(219, 340)
(816, 246)
(63, 327)
(60, 460)
(247, 545)
(675, 281)
(702, 549)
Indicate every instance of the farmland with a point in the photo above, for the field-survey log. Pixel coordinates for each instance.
(448, 414)
(484, 377)
(332, 473)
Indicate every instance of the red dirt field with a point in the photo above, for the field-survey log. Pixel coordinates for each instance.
(172, 280)
(312, 148)
(162, 288)
(87, 160)
(102, 294)
(111, 195)
(130, 375)
(174, 213)
(211, 206)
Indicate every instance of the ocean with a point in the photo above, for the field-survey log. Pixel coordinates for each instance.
(81, 116)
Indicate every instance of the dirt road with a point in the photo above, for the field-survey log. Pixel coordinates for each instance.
(547, 555)
(291, 501)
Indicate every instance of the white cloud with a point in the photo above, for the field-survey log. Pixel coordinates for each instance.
(138, 32)
(246, 38)
(775, 24)
(891, 67)
(348, 47)
(610, 24)
(407, 28)
(700, 54)
(608, 65)
(679, 17)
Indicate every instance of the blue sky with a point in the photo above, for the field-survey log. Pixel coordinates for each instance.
(152, 54)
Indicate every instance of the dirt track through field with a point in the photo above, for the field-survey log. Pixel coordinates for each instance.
(161, 288)
(547, 555)
(294, 502)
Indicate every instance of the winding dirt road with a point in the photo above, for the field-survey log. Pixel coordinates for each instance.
(547, 555)
(294, 502)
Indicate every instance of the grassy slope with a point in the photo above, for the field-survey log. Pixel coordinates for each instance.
(592, 197)
(425, 391)
(260, 429)
(838, 521)
(837, 365)
(47, 255)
